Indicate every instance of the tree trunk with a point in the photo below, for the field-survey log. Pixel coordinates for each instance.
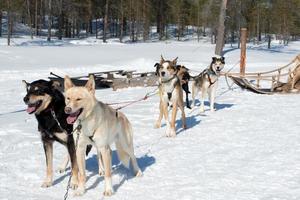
(221, 29)
(96, 28)
(36, 18)
(60, 20)
(49, 20)
(121, 21)
(29, 18)
(269, 41)
(0, 23)
(145, 22)
(9, 23)
(105, 21)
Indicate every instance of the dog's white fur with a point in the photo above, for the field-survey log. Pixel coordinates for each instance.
(207, 83)
(105, 126)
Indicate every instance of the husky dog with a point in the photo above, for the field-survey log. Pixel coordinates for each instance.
(47, 103)
(101, 126)
(184, 76)
(170, 91)
(207, 82)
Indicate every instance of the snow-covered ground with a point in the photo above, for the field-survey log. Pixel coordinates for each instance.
(249, 149)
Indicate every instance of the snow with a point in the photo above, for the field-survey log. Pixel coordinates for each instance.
(247, 150)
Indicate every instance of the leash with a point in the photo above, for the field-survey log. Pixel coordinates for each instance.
(78, 128)
(12, 112)
(128, 103)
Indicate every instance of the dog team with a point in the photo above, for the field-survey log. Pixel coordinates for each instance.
(59, 115)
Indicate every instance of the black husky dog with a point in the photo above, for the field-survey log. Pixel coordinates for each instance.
(47, 103)
(184, 77)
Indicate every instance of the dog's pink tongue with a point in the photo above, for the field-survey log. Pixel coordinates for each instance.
(30, 109)
(71, 119)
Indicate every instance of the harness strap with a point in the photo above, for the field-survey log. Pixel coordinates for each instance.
(210, 82)
(55, 118)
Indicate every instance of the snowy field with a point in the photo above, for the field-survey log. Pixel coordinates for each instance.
(249, 149)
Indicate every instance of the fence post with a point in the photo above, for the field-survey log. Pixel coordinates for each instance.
(243, 51)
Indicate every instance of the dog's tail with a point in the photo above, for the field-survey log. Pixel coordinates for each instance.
(124, 144)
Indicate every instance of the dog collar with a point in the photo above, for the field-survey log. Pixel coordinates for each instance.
(175, 76)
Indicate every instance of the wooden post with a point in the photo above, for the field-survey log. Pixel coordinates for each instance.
(243, 51)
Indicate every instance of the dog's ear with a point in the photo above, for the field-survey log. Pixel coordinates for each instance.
(162, 60)
(26, 85)
(178, 67)
(156, 65)
(214, 59)
(68, 83)
(223, 59)
(174, 62)
(55, 84)
(90, 85)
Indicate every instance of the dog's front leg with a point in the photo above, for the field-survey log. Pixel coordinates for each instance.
(100, 163)
(166, 116)
(80, 154)
(106, 155)
(173, 120)
(48, 148)
(158, 122)
(74, 165)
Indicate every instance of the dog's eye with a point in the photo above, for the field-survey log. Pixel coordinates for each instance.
(79, 99)
(36, 88)
(68, 98)
(168, 68)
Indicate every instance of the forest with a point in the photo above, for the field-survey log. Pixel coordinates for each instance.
(143, 20)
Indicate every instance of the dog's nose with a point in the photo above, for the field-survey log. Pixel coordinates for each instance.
(26, 99)
(68, 110)
(163, 73)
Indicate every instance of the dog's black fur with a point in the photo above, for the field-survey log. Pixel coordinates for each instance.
(47, 124)
(185, 86)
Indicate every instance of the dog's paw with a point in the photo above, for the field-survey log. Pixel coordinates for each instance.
(202, 110)
(73, 186)
(101, 172)
(74, 183)
(172, 133)
(79, 192)
(139, 173)
(157, 125)
(46, 184)
(108, 192)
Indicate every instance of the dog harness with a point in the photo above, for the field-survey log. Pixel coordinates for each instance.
(174, 85)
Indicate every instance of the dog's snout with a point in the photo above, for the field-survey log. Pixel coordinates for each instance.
(68, 110)
(218, 68)
(26, 99)
(163, 73)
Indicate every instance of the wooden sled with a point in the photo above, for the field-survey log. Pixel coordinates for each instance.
(113, 79)
(284, 79)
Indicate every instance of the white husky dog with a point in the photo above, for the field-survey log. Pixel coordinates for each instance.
(101, 126)
(207, 82)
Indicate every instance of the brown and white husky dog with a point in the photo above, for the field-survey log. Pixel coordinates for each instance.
(101, 126)
(170, 91)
